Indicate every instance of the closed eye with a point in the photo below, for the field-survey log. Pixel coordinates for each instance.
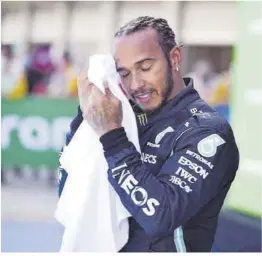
(146, 68)
(124, 75)
(123, 72)
(146, 65)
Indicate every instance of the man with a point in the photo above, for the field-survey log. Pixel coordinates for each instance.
(175, 189)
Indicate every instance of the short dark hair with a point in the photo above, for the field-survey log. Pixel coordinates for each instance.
(166, 36)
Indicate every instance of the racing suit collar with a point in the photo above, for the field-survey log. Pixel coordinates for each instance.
(182, 100)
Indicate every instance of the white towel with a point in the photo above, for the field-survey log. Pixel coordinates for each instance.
(90, 210)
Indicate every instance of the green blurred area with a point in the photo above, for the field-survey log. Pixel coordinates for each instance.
(246, 110)
(34, 130)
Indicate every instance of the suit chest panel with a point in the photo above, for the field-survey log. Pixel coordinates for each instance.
(156, 146)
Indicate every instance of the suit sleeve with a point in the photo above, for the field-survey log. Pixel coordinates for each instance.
(186, 182)
(73, 128)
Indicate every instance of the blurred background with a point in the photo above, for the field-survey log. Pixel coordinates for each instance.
(44, 45)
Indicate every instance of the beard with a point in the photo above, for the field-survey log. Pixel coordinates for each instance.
(166, 93)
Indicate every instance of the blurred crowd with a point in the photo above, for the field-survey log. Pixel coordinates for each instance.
(213, 87)
(41, 72)
(38, 72)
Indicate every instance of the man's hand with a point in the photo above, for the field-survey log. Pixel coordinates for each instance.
(102, 112)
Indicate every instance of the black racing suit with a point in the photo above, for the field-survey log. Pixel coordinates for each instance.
(176, 187)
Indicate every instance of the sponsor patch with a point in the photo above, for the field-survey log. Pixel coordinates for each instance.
(142, 119)
(186, 175)
(207, 147)
(159, 137)
(200, 158)
(193, 166)
(182, 184)
(138, 194)
(147, 158)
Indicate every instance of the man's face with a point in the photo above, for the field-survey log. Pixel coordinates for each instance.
(143, 68)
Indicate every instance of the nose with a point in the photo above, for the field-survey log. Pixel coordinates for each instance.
(136, 83)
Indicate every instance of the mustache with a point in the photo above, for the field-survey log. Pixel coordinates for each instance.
(141, 92)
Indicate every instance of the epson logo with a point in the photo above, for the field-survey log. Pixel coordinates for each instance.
(138, 194)
(193, 166)
(147, 158)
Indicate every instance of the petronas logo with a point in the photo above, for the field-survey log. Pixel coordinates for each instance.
(142, 119)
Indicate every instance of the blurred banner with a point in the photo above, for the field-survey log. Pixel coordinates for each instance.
(246, 112)
(34, 129)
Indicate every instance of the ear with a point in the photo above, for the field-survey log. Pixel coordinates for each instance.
(175, 58)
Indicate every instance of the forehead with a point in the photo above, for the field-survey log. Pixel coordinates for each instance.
(129, 49)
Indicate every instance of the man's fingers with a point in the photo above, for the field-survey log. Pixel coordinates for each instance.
(97, 92)
(83, 84)
(108, 92)
(83, 76)
(107, 89)
(89, 87)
